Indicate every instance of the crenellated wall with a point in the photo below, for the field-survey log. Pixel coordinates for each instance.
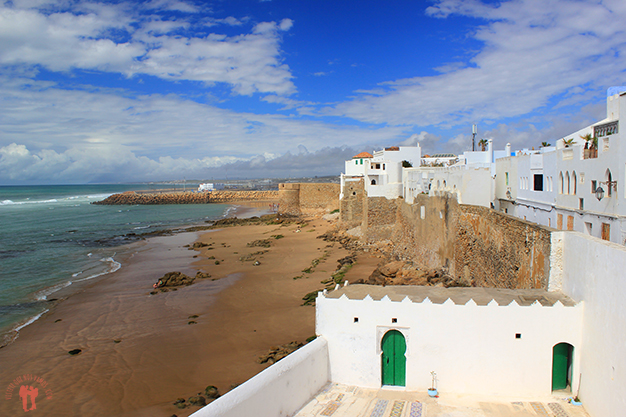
(484, 347)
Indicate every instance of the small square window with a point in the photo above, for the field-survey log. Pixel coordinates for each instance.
(356, 319)
(394, 320)
(518, 335)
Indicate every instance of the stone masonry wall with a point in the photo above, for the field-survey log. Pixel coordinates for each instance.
(425, 231)
(480, 246)
(289, 199)
(308, 198)
(493, 249)
(352, 203)
(381, 218)
(319, 198)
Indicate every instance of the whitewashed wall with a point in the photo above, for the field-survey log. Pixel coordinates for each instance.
(280, 390)
(592, 270)
(472, 348)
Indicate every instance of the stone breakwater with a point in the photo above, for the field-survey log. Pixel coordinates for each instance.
(132, 198)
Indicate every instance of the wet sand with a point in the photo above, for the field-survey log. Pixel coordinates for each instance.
(139, 354)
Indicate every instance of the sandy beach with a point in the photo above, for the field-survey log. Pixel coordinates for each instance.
(138, 351)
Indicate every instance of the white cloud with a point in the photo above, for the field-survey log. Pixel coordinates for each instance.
(533, 51)
(53, 134)
(115, 38)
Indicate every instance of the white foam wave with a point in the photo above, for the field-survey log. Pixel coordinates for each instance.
(43, 294)
(30, 321)
(113, 266)
(19, 203)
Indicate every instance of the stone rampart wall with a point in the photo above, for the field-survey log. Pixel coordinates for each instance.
(308, 198)
(352, 203)
(477, 245)
(502, 251)
(132, 198)
(381, 217)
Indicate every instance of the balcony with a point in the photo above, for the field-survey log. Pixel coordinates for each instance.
(606, 129)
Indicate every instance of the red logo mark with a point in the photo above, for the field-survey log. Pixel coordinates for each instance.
(29, 390)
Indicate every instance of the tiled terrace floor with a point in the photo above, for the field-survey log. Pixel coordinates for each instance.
(342, 401)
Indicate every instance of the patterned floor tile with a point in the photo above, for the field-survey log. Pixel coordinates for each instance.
(339, 397)
(557, 410)
(539, 409)
(330, 408)
(396, 410)
(379, 408)
(416, 409)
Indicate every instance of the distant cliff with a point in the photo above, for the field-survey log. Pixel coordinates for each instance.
(132, 198)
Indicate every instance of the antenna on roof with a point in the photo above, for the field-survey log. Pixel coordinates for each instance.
(473, 137)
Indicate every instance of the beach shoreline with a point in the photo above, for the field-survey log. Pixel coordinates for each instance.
(138, 352)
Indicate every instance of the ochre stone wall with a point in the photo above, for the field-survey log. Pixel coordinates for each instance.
(308, 198)
(352, 204)
(289, 199)
(381, 218)
(319, 198)
(480, 246)
(425, 231)
(131, 197)
(497, 250)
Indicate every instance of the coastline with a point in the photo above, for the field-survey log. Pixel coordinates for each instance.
(138, 354)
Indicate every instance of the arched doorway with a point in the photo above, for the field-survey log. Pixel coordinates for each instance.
(562, 355)
(393, 359)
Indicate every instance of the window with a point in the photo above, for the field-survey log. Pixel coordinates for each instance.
(609, 179)
(561, 183)
(588, 227)
(373, 182)
(581, 204)
(574, 182)
(567, 188)
(538, 182)
(570, 222)
(506, 178)
(594, 186)
(606, 231)
(559, 221)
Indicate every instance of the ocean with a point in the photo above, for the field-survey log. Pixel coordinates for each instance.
(51, 236)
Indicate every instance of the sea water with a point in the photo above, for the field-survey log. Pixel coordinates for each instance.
(52, 236)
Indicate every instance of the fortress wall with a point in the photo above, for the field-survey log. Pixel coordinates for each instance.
(307, 198)
(319, 198)
(352, 203)
(424, 231)
(289, 199)
(480, 246)
(380, 218)
(493, 249)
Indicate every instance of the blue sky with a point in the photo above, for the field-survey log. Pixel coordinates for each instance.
(166, 89)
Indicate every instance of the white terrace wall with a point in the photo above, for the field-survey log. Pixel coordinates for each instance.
(280, 390)
(473, 349)
(592, 270)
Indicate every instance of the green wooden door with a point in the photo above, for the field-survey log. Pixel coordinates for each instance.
(394, 361)
(561, 362)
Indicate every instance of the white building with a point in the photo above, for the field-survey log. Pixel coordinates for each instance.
(381, 172)
(570, 187)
